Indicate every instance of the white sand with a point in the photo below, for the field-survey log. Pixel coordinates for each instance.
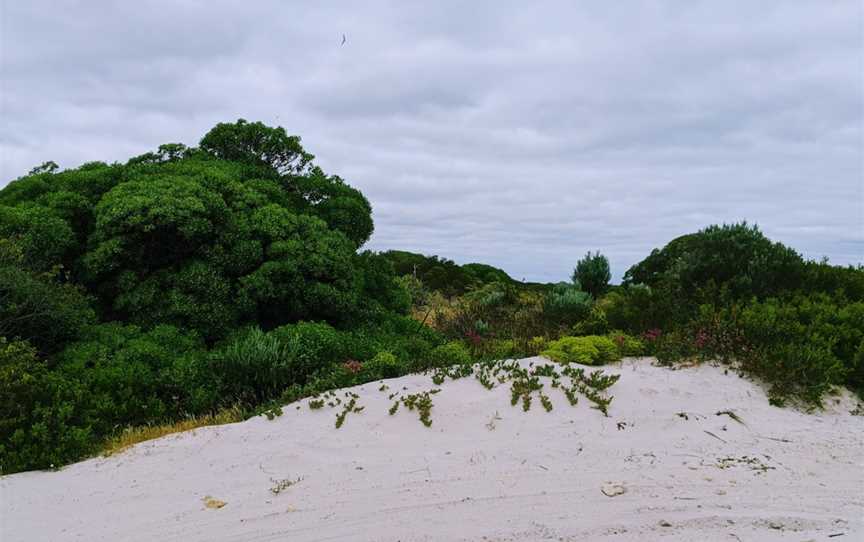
(535, 476)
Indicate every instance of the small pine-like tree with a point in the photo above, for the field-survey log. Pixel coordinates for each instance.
(592, 273)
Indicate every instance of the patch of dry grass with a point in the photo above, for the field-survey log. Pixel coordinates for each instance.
(133, 435)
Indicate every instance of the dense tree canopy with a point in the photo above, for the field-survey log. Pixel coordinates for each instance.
(737, 258)
(243, 229)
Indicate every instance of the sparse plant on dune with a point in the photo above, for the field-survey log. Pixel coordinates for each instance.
(422, 402)
(281, 485)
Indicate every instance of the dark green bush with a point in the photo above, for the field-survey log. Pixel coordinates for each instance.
(313, 346)
(736, 260)
(41, 425)
(794, 346)
(115, 376)
(135, 377)
(595, 323)
(592, 273)
(37, 306)
(252, 367)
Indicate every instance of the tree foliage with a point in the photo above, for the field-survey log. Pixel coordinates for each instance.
(735, 258)
(174, 252)
(445, 275)
(592, 273)
(243, 229)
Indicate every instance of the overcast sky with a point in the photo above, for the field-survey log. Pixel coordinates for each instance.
(517, 134)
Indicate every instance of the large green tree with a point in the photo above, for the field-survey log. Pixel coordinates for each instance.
(243, 229)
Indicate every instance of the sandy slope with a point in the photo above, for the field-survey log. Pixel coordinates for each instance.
(535, 476)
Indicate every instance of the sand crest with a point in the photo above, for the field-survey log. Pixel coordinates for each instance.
(690, 454)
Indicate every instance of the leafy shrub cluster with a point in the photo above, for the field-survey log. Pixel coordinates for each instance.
(725, 293)
(183, 281)
(729, 293)
(587, 350)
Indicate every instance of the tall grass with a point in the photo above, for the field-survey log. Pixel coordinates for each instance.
(134, 435)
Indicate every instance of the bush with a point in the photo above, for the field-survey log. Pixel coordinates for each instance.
(638, 308)
(36, 306)
(452, 353)
(383, 365)
(40, 424)
(672, 346)
(595, 323)
(856, 371)
(537, 345)
(313, 346)
(136, 377)
(734, 261)
(252, 367)
(500, 349)
(589, 350)
(803, 372)
(628, 346)
(566, 304)
(793, 346)
(115, 376)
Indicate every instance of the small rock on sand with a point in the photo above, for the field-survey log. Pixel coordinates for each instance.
(613, 490)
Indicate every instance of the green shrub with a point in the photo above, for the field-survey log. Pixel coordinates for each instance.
(733, 261)
(313, 346)
(673, 346)
(452, 353)
(856, 371)
(40, 422)
(802, 372)
(36, 306)
(114, 377)
(252, 367)
(536, 345)
(566, 304)
(383, 365)
(793, 346)
(628, 346)
(136, 377)
(588, 350)
(594, 324)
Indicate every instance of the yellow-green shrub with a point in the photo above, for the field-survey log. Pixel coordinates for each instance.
(452, 353)
(588, 350)
(537, 345)
(383, 365)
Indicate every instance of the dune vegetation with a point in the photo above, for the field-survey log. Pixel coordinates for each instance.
(198, 285)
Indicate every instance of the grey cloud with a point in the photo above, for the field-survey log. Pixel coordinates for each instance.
(517, 134)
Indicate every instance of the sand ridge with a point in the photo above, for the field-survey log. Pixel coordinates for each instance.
(688, 454)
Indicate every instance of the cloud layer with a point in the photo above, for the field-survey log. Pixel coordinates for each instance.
(517, 134)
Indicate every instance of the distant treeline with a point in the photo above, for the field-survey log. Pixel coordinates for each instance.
(443, 275)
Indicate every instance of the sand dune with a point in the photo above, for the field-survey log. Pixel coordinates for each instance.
(663, 466)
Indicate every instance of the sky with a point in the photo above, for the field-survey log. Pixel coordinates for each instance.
(518, 134)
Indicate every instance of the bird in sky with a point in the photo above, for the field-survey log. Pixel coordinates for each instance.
(344, 39)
